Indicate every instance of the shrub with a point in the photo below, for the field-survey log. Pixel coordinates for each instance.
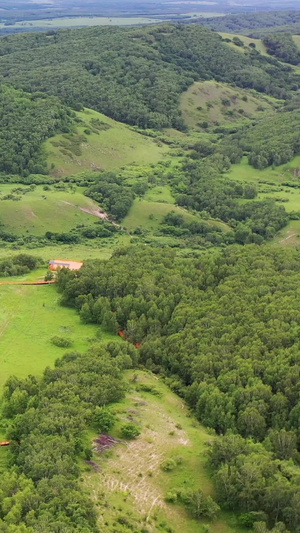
(61, 342)
(104, 419)
(171, 497)
(130, 431)
(168, 465)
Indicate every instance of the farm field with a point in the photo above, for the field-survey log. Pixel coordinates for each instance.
(108, 145)
(79, 22)
(131, 483)
(218, 103)
(40, 210)
(30, 316)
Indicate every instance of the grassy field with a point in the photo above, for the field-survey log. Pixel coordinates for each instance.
(218, 103)
(149, 214)
(109, 145)
(131, 483)
(29, 317)
(76, 22)
(39, 211)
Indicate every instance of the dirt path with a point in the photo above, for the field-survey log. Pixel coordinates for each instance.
(289, 237)
(96, 211)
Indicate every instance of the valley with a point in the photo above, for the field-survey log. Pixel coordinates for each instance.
(155, 389)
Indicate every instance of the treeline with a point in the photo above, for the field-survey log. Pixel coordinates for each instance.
(48, 417)
(224, 331)
(245, 22)
(134, 75)
(272, 141)
(18, 265)
(27, 120)
(112, 193)
(282, 46)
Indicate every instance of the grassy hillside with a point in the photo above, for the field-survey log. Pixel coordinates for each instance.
(217, 103)
(132, 75)
(259, 45)
(41, 210)
(131, 484)
(100, 143)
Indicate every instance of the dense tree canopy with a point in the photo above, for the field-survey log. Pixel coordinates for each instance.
(48, 417)
(26, 122)
(132, 75)
(224, 330)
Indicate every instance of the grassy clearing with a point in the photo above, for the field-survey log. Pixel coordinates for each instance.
(296, 39)
(284, 173)
(29, 317)
(39, 211)
(218, 103)
(131, 483)
(289, 237)
(149, 214)
(269, 184)
(259, 45)
(75, 252)
(109, 145)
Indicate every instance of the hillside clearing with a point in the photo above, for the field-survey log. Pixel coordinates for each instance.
(259, 45)
(40, 210)
(131, 483)
(218, 103)
(100, 143)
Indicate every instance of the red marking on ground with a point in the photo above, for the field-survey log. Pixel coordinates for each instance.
(27, 282)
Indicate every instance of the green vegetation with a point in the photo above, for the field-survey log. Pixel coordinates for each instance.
(26, 122)
(133, 75)
(253, 23)
(47, 417)
(282, 46)
(210, 104)
(140, 496)
(196, 337)
(37, 210)
(99, 143)
(197, 152)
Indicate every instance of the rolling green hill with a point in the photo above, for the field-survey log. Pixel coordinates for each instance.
(99, 143)
(39, 210)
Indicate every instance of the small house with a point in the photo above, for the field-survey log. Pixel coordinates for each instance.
(56, 264)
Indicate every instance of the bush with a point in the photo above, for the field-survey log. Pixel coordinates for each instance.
(130, 431)
(61, 342)
(168, 465)
(104, 419)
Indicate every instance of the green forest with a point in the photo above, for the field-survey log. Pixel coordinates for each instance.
(187, 303)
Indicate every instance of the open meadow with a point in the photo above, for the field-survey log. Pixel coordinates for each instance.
(30, 316)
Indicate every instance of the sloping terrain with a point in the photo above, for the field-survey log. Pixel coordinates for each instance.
(100, 143)
(130, 483)
(210, 104)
